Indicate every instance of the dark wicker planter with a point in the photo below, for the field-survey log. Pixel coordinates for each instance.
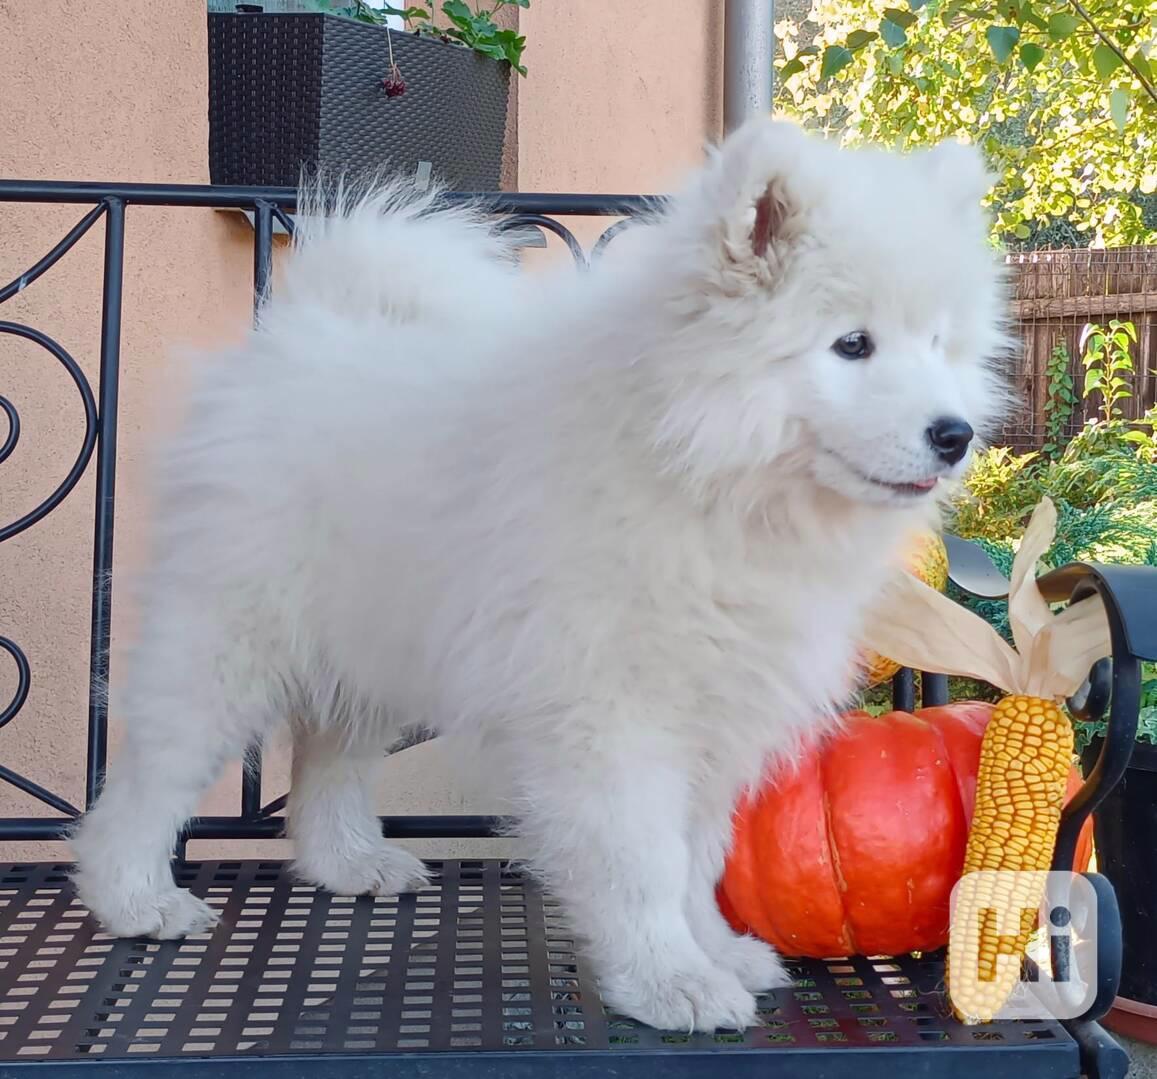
(294, 90)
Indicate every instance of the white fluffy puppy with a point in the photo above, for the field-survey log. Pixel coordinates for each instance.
(617, 529)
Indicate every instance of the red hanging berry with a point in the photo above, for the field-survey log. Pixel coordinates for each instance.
(393, 83)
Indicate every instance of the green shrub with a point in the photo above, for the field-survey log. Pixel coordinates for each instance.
(1000, 492)
(1103, 482)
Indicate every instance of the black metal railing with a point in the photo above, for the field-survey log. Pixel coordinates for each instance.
(109, 203)
(255, 820)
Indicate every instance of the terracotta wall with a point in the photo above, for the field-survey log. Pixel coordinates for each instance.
(117, 91)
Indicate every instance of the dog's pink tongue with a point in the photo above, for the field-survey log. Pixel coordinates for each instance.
(927, 485)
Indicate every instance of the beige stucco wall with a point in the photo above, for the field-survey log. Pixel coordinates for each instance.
(110, 91)
(620, 98)
(117, 91)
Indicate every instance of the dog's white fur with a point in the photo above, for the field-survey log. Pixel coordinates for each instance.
(616, 529)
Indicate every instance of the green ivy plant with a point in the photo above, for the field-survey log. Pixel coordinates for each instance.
(470, 24)
(1060, 95)
(1060, 400)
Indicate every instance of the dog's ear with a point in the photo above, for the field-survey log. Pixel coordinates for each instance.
(758, 186)
(958, 170)
(773, 210)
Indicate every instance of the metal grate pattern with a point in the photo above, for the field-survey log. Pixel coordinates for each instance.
(480, 962)
(1057, 293)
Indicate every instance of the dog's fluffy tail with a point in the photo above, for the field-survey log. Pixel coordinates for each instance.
(385, 250)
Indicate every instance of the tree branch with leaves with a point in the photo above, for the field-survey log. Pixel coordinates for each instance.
(1059, 93)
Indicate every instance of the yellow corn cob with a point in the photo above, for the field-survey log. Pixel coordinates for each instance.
(1025, 759)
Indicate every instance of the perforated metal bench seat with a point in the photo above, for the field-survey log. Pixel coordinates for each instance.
(474, 976)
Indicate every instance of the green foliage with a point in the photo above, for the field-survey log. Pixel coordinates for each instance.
(1103, 482)
(1146, 719)
(1060, 400)
(1059, 94)
(1109, 365)
(1117, 531)
(1104, 488)
(1002, 40)
(1107, 471)
(470, 24)
(477, 29)
(1103, 463)
(1001, 490)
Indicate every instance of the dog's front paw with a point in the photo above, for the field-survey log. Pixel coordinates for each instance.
(702, 997)
(756, 964)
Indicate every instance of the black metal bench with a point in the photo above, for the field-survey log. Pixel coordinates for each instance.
(477, 974)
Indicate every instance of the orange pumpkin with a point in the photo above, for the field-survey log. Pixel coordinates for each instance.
(856, 851)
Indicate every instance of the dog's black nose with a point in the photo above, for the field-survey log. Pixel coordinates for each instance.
(950, 436)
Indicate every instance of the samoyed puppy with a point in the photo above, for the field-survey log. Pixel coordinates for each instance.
(616, 531)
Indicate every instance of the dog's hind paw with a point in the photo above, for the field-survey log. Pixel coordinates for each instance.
(167, 915)
(388, 870)
(707, 999)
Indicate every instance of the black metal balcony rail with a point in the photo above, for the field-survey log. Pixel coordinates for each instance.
(109, 203)
(256, 818)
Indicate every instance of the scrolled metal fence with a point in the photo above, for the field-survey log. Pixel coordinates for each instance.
(108, 204)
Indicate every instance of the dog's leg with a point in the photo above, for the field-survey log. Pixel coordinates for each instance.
(607, 829)
(188, 711)
(755, 963)
(331, 818)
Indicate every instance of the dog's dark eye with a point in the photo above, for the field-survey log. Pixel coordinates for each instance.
(854, 346)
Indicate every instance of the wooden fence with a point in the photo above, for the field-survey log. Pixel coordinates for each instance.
(1058, 293)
